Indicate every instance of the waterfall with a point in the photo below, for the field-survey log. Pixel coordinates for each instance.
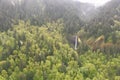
(75, 42)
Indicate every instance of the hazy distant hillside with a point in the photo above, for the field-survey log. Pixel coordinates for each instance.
(74, 14)
(40, 12)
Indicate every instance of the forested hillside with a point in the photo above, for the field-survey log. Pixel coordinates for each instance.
(59, 40)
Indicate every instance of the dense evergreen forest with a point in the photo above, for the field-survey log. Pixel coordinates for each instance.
(38, 40)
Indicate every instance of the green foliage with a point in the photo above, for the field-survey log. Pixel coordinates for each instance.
(42, 53)
(2, 78)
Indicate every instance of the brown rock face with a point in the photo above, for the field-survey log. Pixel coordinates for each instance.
(96, 44)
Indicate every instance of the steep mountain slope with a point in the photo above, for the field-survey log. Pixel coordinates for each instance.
(37, 40)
